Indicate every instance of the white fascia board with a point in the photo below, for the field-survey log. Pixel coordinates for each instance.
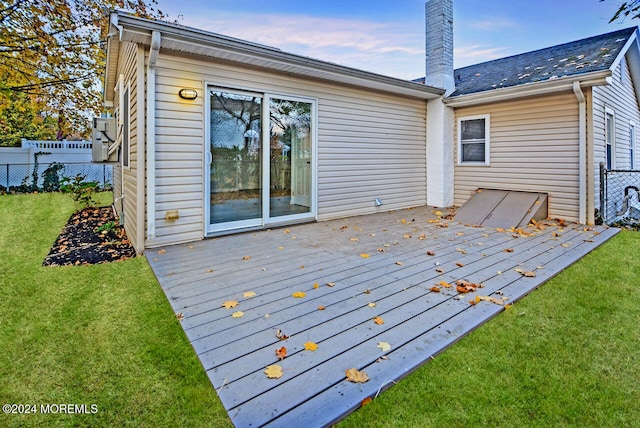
(197, 42)
(633, 59)
(529, 90)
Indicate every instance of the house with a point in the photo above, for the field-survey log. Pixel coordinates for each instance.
(218, 134)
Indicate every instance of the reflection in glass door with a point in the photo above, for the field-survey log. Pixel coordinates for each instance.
(261, 165)
(290, 157)
(236, 148)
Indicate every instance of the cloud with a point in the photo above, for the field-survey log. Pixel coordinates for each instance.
(494, 24)
(474, 54)
(391, 48)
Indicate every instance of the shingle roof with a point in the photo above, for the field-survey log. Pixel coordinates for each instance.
(568, 59)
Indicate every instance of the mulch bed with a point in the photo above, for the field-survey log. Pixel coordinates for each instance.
(91, 236)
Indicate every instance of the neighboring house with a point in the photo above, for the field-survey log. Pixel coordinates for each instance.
(241, 135)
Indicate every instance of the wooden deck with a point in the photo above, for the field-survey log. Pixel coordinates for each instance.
(345, 267)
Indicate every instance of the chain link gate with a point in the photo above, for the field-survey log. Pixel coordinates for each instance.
(620, 197)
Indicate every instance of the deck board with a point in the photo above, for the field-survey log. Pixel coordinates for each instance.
(396, 275)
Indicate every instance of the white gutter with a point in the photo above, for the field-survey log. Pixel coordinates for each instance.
(151, 135)
(582, 152)
(529, 90)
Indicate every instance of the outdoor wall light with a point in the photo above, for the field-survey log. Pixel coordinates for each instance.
(378, 202)
(188, 94)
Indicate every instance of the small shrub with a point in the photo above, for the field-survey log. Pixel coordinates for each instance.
(50, 177)
(81, 191)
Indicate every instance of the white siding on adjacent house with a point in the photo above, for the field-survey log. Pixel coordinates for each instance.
(534, 148)
(369, 144)
(620, 99)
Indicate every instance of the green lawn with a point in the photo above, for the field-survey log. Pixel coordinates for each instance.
(567, 355)
(102, 334)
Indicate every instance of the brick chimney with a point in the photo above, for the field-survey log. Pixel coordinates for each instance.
(439, 44)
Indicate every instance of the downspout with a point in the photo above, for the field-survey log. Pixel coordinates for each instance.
(582, 152)
(140, 171)
(151, 135)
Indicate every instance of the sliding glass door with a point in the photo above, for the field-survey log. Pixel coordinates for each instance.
(261, 160)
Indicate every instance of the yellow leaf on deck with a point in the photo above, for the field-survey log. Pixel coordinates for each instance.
(248, 294)
(439, 213)
(384, 346)
(364, 255)
(246, 258)
(273, 372)
(445, 284)
(310, 346)
(316, 285)
(378, 320)
(299, 294)
(372, 305)
(356, 376)
(237, 314)
(230, 304)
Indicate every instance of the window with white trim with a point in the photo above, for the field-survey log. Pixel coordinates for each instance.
(125, 128)
(610, 139)
(473, 140)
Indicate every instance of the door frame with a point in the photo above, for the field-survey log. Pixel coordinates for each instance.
(265, 221)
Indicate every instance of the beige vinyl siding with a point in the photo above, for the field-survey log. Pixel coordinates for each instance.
(128, 62)
(369, 144)
(534, 148)
(620, 98)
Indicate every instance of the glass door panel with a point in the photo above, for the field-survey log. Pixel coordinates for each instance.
(290, 157)
(236, 150)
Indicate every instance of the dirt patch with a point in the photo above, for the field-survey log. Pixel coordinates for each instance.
(91, 236)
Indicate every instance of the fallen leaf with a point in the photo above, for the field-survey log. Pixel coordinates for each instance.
(440, 270)
(461, 251)
(406, 236)
(310, 346)
(529, 274)
(459, 264)
(316, 285)
(287, 231)
(372, 305)
(356, 376)
(246, 258)
(354, 239)
(435, 289)
(422, 237)
(508, 250)
(281, 353)
(330, 284)
(209, 270)
(366, 401)
(248, 294)
(321, 308)
(299, 294)
(179, 316)
(230, 304)
(367, 291)
(162, 252)
(280, 335)
(378, 320)
(384, 346)
(273, 372)
(430, 253)
(445, 284)
(403, 221)
(364, 255)
(381, 250)
(280, 247)
(399, 263)
(237, 314)
(499, 229)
